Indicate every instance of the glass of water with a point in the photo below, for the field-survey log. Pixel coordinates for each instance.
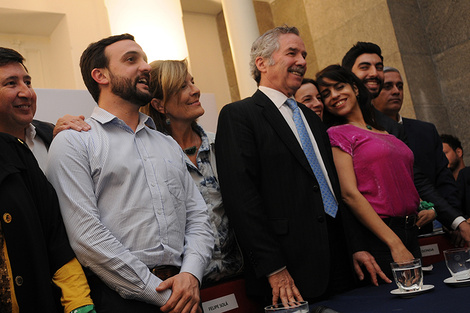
(291, 307)
(458, 262)
(408, 275)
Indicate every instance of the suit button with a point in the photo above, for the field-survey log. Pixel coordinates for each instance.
(316, 188)
(19, 280)
(320, 219)
(7, 217)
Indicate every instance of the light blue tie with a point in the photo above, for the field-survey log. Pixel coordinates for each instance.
(329, 202)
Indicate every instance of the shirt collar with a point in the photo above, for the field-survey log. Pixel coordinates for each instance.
(102, 116)
(277, 97)
(29, 135)
(205, 144)
(400, 120)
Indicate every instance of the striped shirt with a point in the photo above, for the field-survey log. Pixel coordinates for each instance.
(129, 204)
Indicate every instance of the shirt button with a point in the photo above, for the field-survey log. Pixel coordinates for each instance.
(19, 280)
(153, 185)
(7, 217)
(320, 219)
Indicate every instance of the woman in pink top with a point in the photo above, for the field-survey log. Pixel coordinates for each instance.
(375, 169)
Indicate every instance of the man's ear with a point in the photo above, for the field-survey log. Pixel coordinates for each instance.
(459, 152)
(100, 75)
(261, 64)
(158, 105)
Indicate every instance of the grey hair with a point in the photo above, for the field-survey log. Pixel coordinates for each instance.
(266, 45)
(390, 69)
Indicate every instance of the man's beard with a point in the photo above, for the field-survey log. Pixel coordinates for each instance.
(127, 90)
(375, 94)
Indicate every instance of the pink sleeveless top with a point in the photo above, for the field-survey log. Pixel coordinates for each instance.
(384, 169)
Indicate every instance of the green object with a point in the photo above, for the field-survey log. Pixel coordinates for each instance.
(85, 309)
(424, 205)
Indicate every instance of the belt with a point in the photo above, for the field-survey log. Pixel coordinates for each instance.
(408, 221)
(165, 271)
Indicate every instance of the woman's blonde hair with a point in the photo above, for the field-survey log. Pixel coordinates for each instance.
(166, 79)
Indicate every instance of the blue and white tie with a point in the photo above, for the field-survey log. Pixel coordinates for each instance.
(329, 201)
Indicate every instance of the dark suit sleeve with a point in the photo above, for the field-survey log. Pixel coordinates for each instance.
(445, 182)
(463, 184)
(238, 168)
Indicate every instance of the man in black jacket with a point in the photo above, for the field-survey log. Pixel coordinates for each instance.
(274, 196)
(34, 249)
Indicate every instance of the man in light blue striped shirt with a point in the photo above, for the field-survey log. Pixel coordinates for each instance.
(131, 209)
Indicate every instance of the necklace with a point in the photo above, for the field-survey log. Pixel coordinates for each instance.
(190, 151)
(361, 126)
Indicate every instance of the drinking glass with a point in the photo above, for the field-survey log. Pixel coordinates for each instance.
(292, 307)
(408, 275)
(458, 262)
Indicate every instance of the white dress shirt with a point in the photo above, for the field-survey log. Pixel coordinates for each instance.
(129, 204)
(37, 146)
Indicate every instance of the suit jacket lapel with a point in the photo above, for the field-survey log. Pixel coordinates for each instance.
(279, 124)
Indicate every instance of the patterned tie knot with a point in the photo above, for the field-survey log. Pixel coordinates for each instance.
(292, 104)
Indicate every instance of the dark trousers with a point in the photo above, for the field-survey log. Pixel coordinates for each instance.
(407, 232)
(107, 300)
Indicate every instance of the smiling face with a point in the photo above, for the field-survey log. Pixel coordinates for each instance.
(129, 72)
(185, 105)
(308, 95)
(285, 69)
(339, 98)
(369, 69)
(390, 98)
(17, 99)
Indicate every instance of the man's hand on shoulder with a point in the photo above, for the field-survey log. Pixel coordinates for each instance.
(284, 288)
(185, 294)
(71, 122)
(365, 258)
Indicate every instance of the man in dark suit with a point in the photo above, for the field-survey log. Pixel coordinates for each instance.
(423, 138)
(452, 148)
(365, 60)
(274, 199)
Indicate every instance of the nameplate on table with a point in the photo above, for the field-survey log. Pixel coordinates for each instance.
(430, 250)
(219, 305)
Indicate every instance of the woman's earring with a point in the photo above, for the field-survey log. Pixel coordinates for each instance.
(167, 121)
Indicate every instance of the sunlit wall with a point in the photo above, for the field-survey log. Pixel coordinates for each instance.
(157, 26)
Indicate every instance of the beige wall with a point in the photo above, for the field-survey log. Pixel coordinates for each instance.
(205, 56)
(53, 53)
(338, 24)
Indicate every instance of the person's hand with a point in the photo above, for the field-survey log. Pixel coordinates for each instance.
(284, 288)
(424, 217)
(464, 230)
(456, 238)
(185, 294)
(71, 122)
(364, 258)
(401, 254)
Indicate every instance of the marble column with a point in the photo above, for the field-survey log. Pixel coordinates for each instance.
(242, 29)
